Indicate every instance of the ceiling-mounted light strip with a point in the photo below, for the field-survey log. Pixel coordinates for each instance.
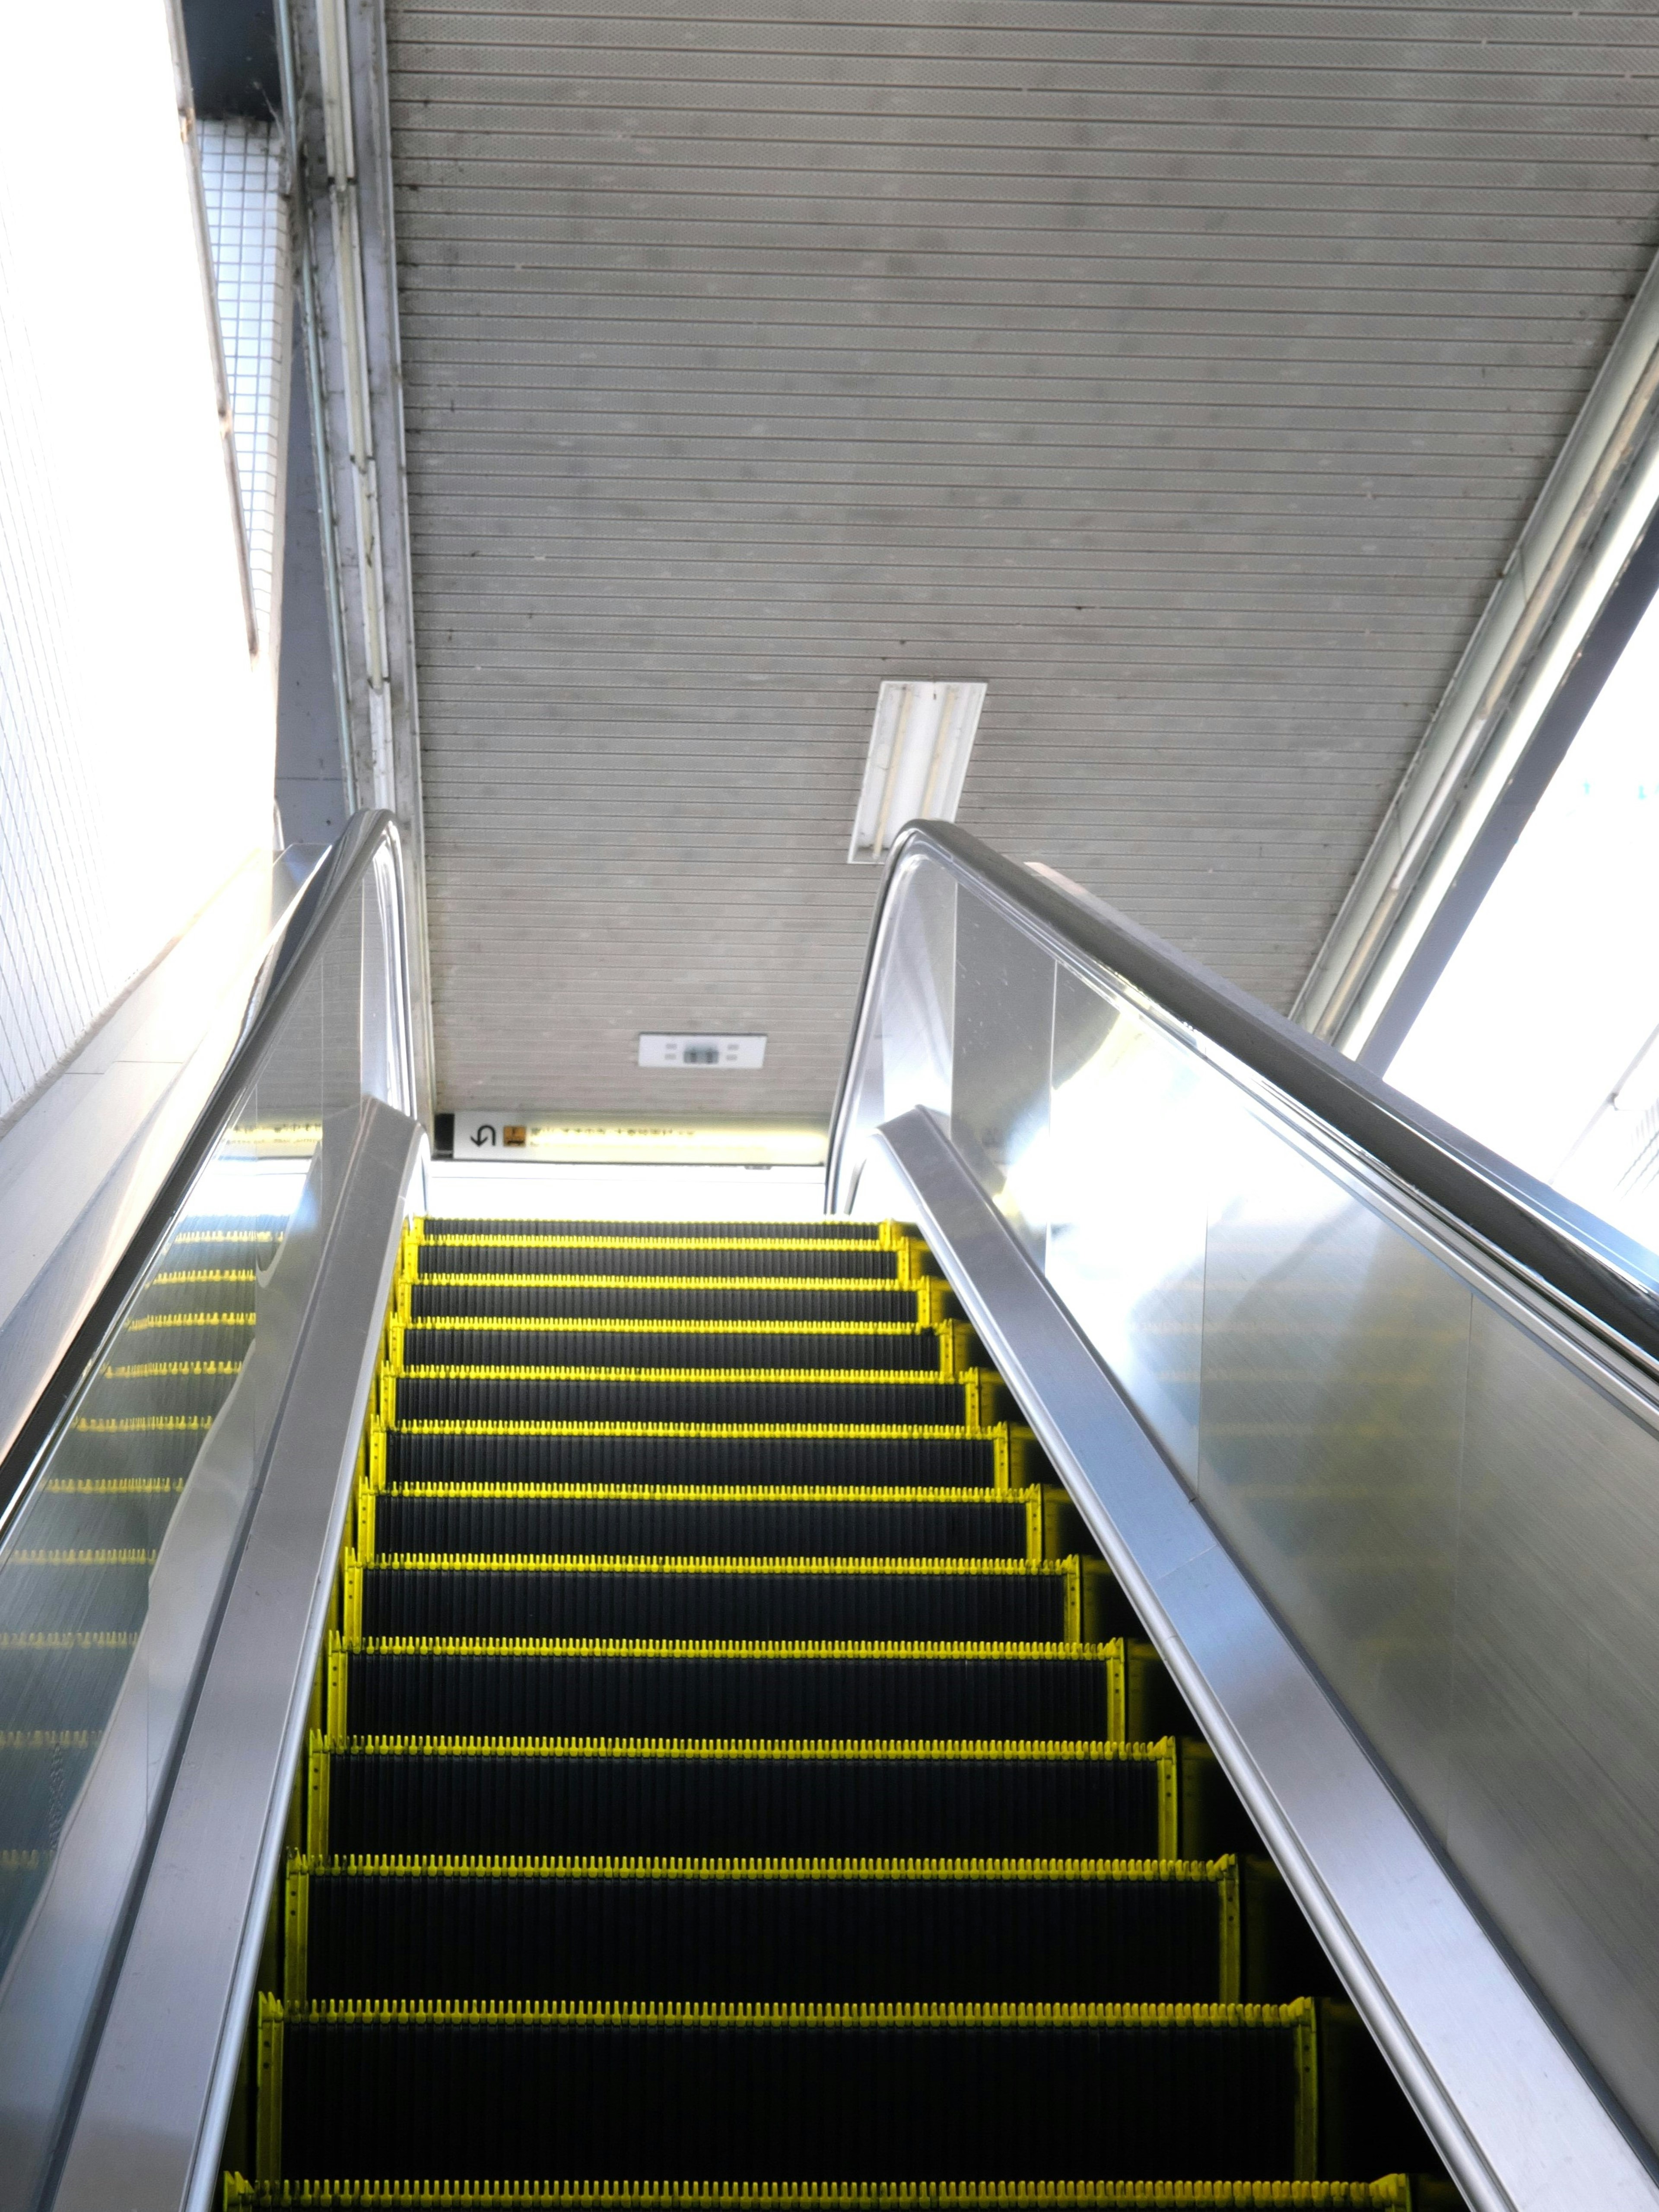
(919, 749)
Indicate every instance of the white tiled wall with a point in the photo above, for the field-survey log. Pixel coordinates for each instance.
(136, 732)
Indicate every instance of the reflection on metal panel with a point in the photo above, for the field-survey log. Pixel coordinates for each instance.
(1127, 1252)
(1554, 1808)
(1335, 1349)
(1448, 1491)
(1005, 1021)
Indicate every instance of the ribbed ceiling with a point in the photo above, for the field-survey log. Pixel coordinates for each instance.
(1184, 372)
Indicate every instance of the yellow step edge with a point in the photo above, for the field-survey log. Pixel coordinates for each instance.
(980, 1387)
(153, 1370)
(508, 1241)
(1392, 2193)
(146, 1322)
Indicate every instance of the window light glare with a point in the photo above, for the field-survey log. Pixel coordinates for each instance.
(919, 746)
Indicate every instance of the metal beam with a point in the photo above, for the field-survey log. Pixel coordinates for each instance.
(339, 127)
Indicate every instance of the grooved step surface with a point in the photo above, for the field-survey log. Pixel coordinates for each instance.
(744, 2095)
(425, 1346)
(465, 1397)
(687, 1690)
(857, 1462)
(990, 1601)
(837, 1263)
(1004, 1932)
(747, 1801)
(724, 1525)
(707, 1302)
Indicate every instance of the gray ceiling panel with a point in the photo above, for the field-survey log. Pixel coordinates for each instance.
(1185, 373)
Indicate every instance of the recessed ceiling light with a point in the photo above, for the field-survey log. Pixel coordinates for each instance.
(919, 750)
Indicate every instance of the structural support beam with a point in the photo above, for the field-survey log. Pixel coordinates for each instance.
(339, 124)
(1577, 540)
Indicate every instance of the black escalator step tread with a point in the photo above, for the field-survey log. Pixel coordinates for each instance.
(908, 1600)
(145, 1448)
(708, 1303)
(1062, 1692)
(759, 1931)
(679, 1797)
(836, 1229)
(723, 1345)
(680, 1262)
(835, 1403)
(842, 2092)
(858, 1462)
(1391, 2194)
(645, 1522)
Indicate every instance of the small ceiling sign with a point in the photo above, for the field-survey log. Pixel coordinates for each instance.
(700, 1049)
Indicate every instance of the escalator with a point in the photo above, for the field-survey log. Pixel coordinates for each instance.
(1112, 1670)
(738, 1778)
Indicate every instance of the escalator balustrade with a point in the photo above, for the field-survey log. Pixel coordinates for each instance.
(736, 1783)
(74, 1579)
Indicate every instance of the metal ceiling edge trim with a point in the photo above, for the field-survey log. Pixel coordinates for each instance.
(1590, 511)
(344, 195)
(1461, 2033)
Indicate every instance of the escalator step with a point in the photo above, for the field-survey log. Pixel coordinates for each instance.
(559, 1346)
(675, 1797)
(704, 1302)
(920, 1601)
(769, 1931)
(459, 1454)
(720, 1523)
(57, 1681)
(832, 1401)
(129, 1385)
(679, 1262)
(77, 1588)
(831, 1229)
(841, 2091)
(1394, 2193)
(919, 1691)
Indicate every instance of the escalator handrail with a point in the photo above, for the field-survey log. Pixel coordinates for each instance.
(1572, 1256)
(293, 956)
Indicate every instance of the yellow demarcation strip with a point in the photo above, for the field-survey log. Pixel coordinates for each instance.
(339, 1654)
(129, 1425)
(128, 1558)
(115, 1486)
(569, 1241)
(68, 1639)
(227, 1236)
(1030, 1502)
(174, 1276)
(980, 1388)
(1393, 2193)
(49, 1739)
(149, 1371)
(191, 1321)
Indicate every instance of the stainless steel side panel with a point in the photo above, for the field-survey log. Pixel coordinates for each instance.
(1522, 2128)
(147, 2134)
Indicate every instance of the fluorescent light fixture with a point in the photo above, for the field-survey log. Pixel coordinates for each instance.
(919, 752)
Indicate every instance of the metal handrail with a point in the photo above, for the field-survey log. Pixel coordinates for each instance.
(1568, 1254)
(297, 948)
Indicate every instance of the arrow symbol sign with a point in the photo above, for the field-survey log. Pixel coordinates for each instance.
(484, 1133)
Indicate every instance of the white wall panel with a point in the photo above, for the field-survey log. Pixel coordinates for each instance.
(136, 736)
